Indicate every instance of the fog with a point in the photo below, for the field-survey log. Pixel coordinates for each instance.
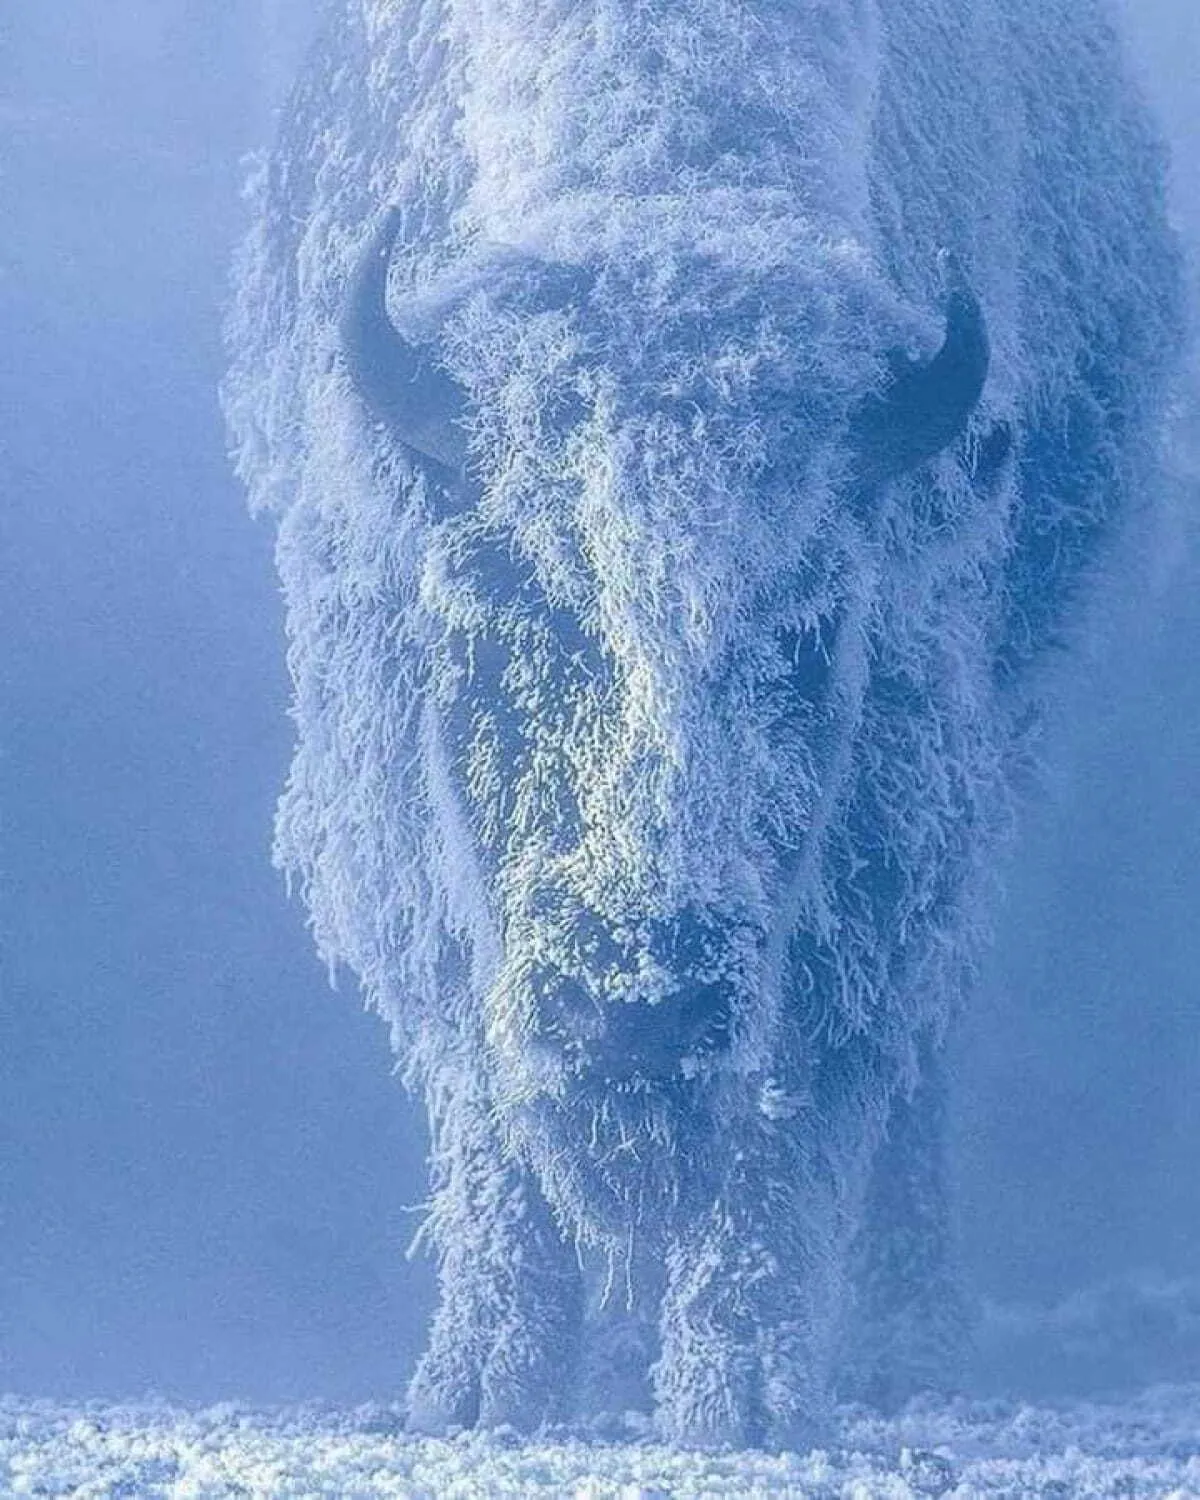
(1079, 1092)
(206, 1165)
(202, 1176)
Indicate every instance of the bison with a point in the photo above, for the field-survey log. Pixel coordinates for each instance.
(689, 424)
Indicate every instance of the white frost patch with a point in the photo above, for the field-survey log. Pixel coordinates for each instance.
(1149, 1446)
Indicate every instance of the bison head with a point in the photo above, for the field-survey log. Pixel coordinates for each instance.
(655, 509)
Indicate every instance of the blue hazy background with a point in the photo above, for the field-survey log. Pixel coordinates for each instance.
(206, 1166)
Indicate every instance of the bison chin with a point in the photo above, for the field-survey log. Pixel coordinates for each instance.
(615, 1157)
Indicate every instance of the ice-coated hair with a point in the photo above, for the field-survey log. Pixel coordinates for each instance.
(687, 425)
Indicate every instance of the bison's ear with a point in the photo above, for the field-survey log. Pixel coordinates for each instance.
(925, 406)
(401, 386)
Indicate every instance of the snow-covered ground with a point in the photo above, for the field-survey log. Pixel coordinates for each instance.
(1147, 1446)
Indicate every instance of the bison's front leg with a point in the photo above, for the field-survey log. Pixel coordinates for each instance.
(749, 1309)
(504, 1342)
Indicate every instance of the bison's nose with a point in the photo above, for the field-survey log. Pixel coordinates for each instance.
(657, 1039)
(652, 1039)
(659, 1008)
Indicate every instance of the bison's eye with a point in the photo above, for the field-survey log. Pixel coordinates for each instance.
(992, 455)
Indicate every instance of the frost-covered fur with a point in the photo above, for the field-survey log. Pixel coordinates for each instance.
(648, 771)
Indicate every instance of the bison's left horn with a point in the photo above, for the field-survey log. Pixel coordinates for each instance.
(421, 406)
(925, 407)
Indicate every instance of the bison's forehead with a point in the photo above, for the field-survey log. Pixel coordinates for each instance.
(672, 424)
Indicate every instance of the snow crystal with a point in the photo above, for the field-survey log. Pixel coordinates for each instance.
(1149, 1446)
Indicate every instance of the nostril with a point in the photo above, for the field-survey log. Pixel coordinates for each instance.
(685, 944)
(570, 1013)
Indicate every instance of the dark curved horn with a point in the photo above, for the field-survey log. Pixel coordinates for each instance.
(402, 387)
(925, 407)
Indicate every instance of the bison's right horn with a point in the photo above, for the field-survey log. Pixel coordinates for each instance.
(421, 406)
(925, 406)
